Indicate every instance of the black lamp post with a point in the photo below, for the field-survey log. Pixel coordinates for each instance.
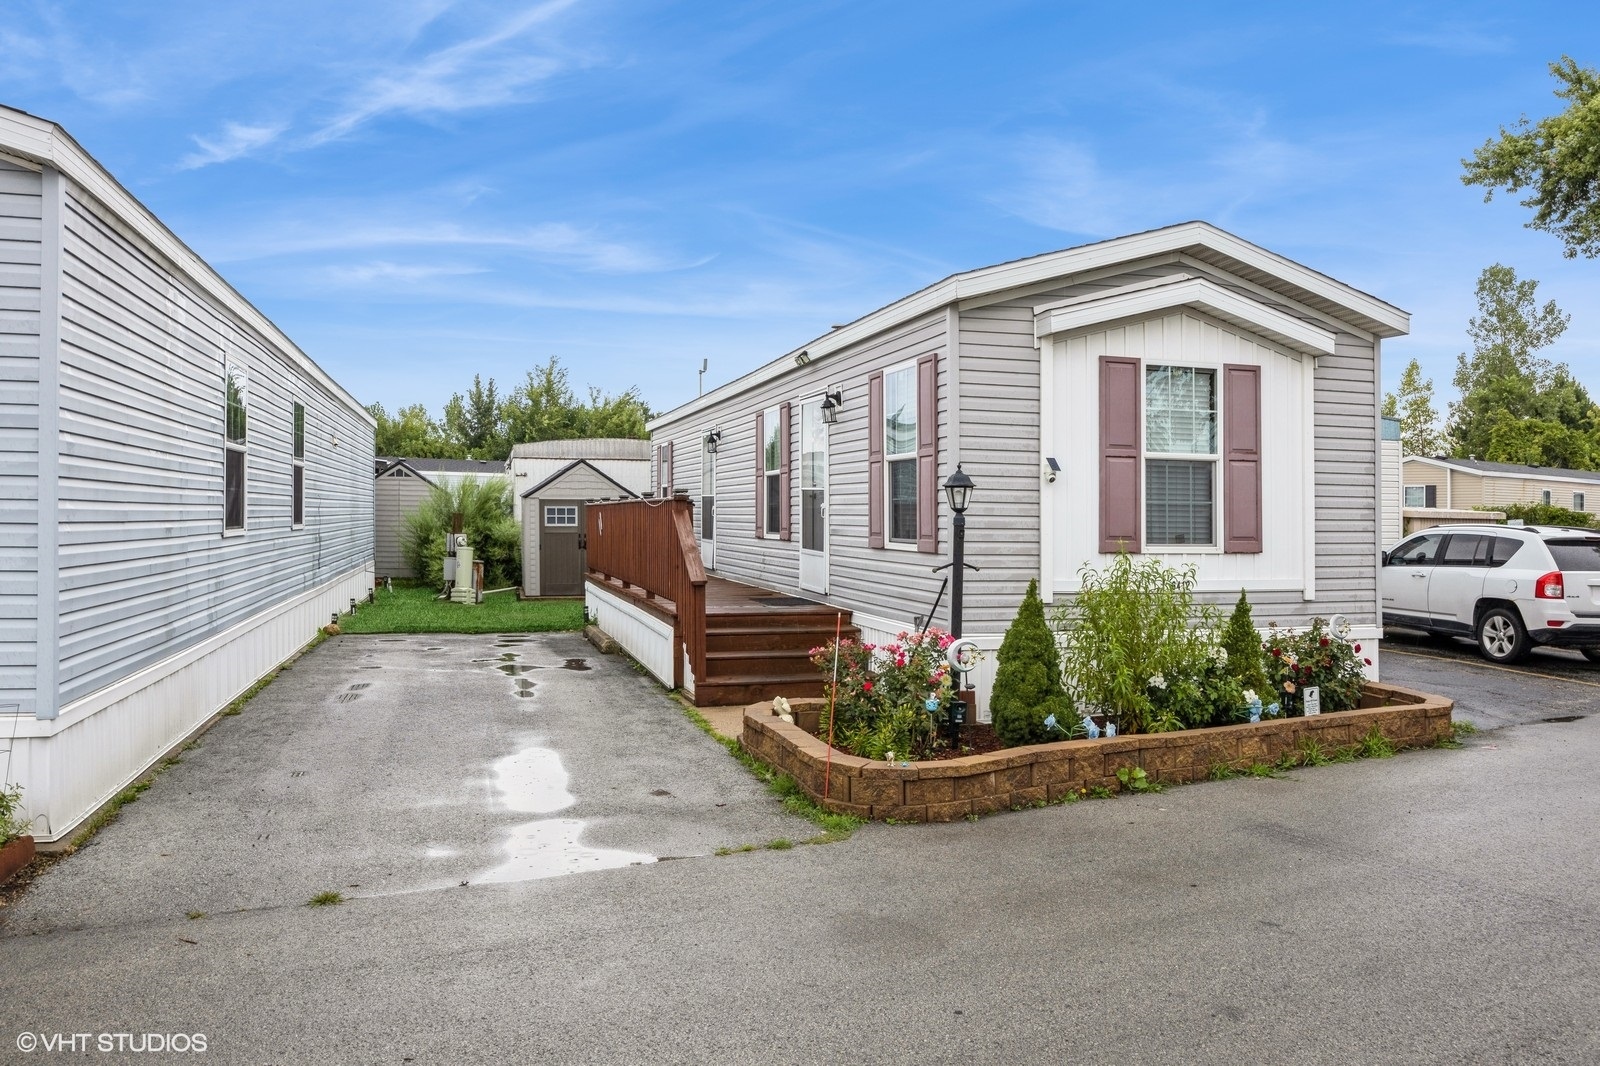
(958, 490)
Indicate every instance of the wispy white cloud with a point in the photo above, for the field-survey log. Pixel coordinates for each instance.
(1462, 39)
(235, 140)
(489, 70)
(385, 272)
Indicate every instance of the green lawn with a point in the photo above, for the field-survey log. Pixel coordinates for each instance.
(417, 611)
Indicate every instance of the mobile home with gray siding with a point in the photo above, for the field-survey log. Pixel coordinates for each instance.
(1180, 393)
(187, 495)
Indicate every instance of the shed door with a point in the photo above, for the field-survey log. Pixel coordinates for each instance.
(561, 548)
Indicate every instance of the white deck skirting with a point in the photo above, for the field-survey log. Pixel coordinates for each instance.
(642, 635)
(70, 765)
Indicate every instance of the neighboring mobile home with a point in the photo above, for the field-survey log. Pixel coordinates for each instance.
(1180, 393)
(1463, 484)
(188, 497)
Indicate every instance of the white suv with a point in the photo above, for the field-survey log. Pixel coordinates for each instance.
(1507, 587)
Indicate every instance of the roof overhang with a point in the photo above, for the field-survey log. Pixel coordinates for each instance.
(1180, 291)
(43, 143)
(1200, 241)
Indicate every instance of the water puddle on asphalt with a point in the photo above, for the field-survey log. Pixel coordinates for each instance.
(533, 781)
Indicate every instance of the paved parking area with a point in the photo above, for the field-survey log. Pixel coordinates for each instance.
(378, 766)
(1550, 683)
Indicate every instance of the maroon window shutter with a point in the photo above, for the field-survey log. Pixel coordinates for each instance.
(1241, 458)
(670, 481)
(875, 461)
(761, 473)
(1120, 463)
(783, 472)
(928, 454)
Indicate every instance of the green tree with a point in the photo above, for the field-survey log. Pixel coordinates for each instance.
(412, 434)
(1413, 406)
(1027, 682)
(493, 535)
(473, 423)
(1556, 159)
(544, 407)
(1242, 641)
(1503, 384)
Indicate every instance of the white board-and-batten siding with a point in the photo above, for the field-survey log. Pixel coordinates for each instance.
(20, 206)
(149, 618)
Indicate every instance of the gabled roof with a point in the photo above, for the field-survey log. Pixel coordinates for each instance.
(1481, 466)
(450, 466)
(384, 465)
(564, 471)
(1196, 241)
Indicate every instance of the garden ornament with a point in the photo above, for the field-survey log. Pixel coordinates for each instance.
(1090, 728)
(781, 705)
(1051, 723)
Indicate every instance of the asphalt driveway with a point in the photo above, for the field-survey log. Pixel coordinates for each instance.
(1550, 683)
(387, 765)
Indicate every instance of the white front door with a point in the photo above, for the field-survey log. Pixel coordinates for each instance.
(813, 498)
(708, 506)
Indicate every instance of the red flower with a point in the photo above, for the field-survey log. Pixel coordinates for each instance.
(1358, 647)
(1367, 661)
(1323, 642)
(866, 686)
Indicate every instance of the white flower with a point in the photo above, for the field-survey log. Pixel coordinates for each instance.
(1250, 695)
(1220, 654)
(1158, 682)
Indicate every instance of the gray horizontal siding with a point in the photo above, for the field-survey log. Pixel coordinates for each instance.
(20, 229)
(144, 568)
(885, 582)
(394, 499)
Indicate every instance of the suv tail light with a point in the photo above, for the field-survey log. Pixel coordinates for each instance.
(1550, 587)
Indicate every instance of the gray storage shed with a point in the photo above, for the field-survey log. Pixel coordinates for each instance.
(553, 561)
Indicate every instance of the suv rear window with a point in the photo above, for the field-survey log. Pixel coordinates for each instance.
(1575, 554)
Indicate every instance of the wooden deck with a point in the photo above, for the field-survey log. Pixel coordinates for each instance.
(758, 642)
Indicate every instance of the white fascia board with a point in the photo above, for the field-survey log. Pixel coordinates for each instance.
(46, 143)
(1021, 273)
(1149, 298)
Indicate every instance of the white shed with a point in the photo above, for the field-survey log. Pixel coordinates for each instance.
(187, 496)
(622, 459)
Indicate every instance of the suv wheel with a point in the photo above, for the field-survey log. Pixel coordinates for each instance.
(1501, 637)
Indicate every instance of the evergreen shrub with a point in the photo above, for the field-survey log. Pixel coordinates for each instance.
(1027, 684)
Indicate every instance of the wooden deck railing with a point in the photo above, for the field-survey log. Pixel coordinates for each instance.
(650, 544)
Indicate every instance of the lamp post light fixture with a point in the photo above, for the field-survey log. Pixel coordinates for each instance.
(831, 402)
(958, 491)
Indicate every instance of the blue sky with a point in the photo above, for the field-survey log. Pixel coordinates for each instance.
(417, 190)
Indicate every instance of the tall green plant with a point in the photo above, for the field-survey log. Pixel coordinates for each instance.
(494, 536)
(12, 823)
(1129, 625)
(1027, 683)
(1242, 642)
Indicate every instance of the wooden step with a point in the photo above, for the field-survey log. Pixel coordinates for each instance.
(736, 691)
(760, 638)
(766, 662)
(773, 619)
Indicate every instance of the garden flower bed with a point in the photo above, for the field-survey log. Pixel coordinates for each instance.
(948, 789)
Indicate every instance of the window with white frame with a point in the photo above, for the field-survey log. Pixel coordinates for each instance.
(558, 515)
(708, 490)
(1180, 465)
(1416, 496)
(900, 451)
(1577, 501)
(1544, 497)
(297, 506)
(236, 402)
(771, 467)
